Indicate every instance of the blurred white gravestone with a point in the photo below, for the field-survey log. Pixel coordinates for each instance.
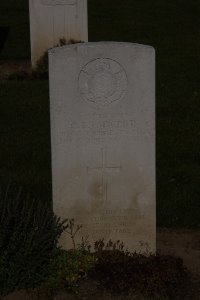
(52, 20)
(102, 103)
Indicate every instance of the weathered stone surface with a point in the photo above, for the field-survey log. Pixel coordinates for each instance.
(103, 140)
(51, 20)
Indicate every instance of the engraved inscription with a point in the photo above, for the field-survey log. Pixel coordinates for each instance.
(110, 222)
(103, 169)
(102, 81)
(58, 2)
(102, 130)
(103, 124)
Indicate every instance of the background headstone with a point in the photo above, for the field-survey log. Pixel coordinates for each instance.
(51, 20)
(102, 98)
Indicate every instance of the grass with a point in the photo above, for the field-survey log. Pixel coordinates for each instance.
(172, 27)
(15, 14)
(25, 136)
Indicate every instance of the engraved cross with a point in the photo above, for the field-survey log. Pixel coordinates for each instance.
(103, 169)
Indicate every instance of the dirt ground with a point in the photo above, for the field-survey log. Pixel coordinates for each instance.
(7, 68)
(182, 243)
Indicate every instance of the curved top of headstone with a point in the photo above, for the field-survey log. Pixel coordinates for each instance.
(104, 44)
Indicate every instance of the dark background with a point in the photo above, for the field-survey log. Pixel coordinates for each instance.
(172, 27)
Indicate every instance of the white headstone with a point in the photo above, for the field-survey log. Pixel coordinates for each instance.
(102, 98)
(52, 20)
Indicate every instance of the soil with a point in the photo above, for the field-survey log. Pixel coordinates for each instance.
(184, 243)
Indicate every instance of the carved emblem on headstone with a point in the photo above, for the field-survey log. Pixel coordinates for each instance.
(58, 2)
(102, 81)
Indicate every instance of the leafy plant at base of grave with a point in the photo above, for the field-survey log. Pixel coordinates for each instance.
(67, 268)
(154, 275)
(42, 70)
(29, 233)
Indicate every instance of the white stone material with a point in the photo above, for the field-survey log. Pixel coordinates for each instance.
(51, 20)
(102, 103)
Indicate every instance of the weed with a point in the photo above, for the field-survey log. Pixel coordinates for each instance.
(72, 231)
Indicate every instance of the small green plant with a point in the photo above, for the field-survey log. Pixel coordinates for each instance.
(100, 245)
(29, 233)
(72, 231)
(67, 267)
(29, 256)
